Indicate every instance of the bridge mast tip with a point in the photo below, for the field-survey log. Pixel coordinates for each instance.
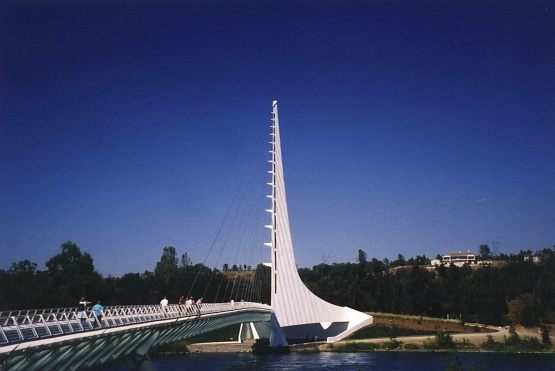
(274, 102)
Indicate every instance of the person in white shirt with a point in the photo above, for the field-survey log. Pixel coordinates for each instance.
(199, 305)
(164, 305)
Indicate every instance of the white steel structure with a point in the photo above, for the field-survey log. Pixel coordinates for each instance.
(59, 339)
(300, 313)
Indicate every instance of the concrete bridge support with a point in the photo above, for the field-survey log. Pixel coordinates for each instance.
(268, 329)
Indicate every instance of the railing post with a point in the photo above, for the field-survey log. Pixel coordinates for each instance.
(33, 330)
(4, 338)
(17, 329)
(45, 325)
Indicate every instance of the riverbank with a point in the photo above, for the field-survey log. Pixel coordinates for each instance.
(442, 335)
(222, 347)
(391, 332)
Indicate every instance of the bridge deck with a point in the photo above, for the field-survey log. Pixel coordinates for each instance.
(28, 325)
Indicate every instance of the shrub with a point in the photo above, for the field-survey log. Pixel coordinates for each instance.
(355, 347)
(544, 332)
(513, 337)
(392, 344)
(530, 344)
(491, 344)
(465, 344)
(412, 346)
(514, 344)
(444, 340)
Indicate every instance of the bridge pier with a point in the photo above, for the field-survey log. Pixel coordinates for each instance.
(267, 329)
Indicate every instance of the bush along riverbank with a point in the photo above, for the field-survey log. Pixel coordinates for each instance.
(443, 341)
(516, 344)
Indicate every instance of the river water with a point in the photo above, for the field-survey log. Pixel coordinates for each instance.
(356, 361)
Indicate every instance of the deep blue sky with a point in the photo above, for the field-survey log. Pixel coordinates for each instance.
(412, 127)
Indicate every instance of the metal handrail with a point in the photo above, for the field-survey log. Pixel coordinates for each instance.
(24, 325)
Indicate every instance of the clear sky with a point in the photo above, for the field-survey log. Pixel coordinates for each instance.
(412, 127)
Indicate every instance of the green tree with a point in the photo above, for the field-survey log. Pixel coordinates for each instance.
(23, 267)
(376, 266)
(71, 275)
(524, 310)
(185, 261)
(399, 262)
(419, 260)
(361, 256)
(25, 286)
(133, 289)
(70, 262)
(166, 269)
(485, 252)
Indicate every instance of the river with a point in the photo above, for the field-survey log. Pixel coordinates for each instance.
(433, 361)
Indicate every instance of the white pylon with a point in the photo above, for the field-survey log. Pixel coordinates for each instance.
(300, 313)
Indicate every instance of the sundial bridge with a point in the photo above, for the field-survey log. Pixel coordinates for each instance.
(53, 339)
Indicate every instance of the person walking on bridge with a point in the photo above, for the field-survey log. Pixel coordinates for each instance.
(199, 305)
(98, 311)
(189, 305)
(164, 305)
(82, 315)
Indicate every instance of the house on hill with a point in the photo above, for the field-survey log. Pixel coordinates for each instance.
(458, 258)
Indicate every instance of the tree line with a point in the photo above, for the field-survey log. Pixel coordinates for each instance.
(518, 291)
(70, 275)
